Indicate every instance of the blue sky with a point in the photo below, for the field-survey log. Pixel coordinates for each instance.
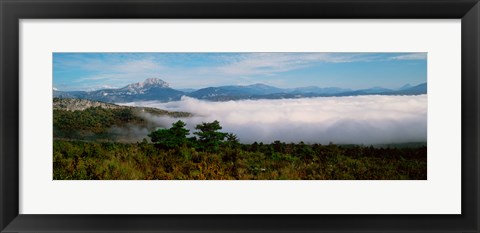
(92, 71)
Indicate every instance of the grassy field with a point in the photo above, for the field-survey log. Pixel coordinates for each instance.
(79, 160)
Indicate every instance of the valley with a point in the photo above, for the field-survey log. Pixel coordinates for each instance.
(104, 141)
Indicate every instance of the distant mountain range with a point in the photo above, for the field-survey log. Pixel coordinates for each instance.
(159, 90)
(150, 89)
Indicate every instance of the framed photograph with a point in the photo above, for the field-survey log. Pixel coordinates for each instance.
(245, 116)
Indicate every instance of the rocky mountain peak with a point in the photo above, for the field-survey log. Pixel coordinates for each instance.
(141, 87)
(155, 82)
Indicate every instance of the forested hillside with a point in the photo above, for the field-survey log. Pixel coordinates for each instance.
(91, 120)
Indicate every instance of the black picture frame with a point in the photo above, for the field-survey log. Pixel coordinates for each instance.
(13, 10)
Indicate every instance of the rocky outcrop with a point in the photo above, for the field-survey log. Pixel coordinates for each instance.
(81, 104)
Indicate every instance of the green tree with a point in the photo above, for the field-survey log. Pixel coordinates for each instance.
(179, 132)
(174, 137)
(232, 140)
(161, 137)
(209, 138)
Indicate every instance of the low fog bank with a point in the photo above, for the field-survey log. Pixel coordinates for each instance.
(134, 133)
(341, 120)
(129, 134)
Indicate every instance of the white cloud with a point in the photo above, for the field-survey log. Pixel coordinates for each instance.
(360, 119)
(411, 56)
(270, 63)
(137, 66)
(130, 65)
(116, 71)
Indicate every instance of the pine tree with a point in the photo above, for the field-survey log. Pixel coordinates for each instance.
(174, 137)
(208, 136)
